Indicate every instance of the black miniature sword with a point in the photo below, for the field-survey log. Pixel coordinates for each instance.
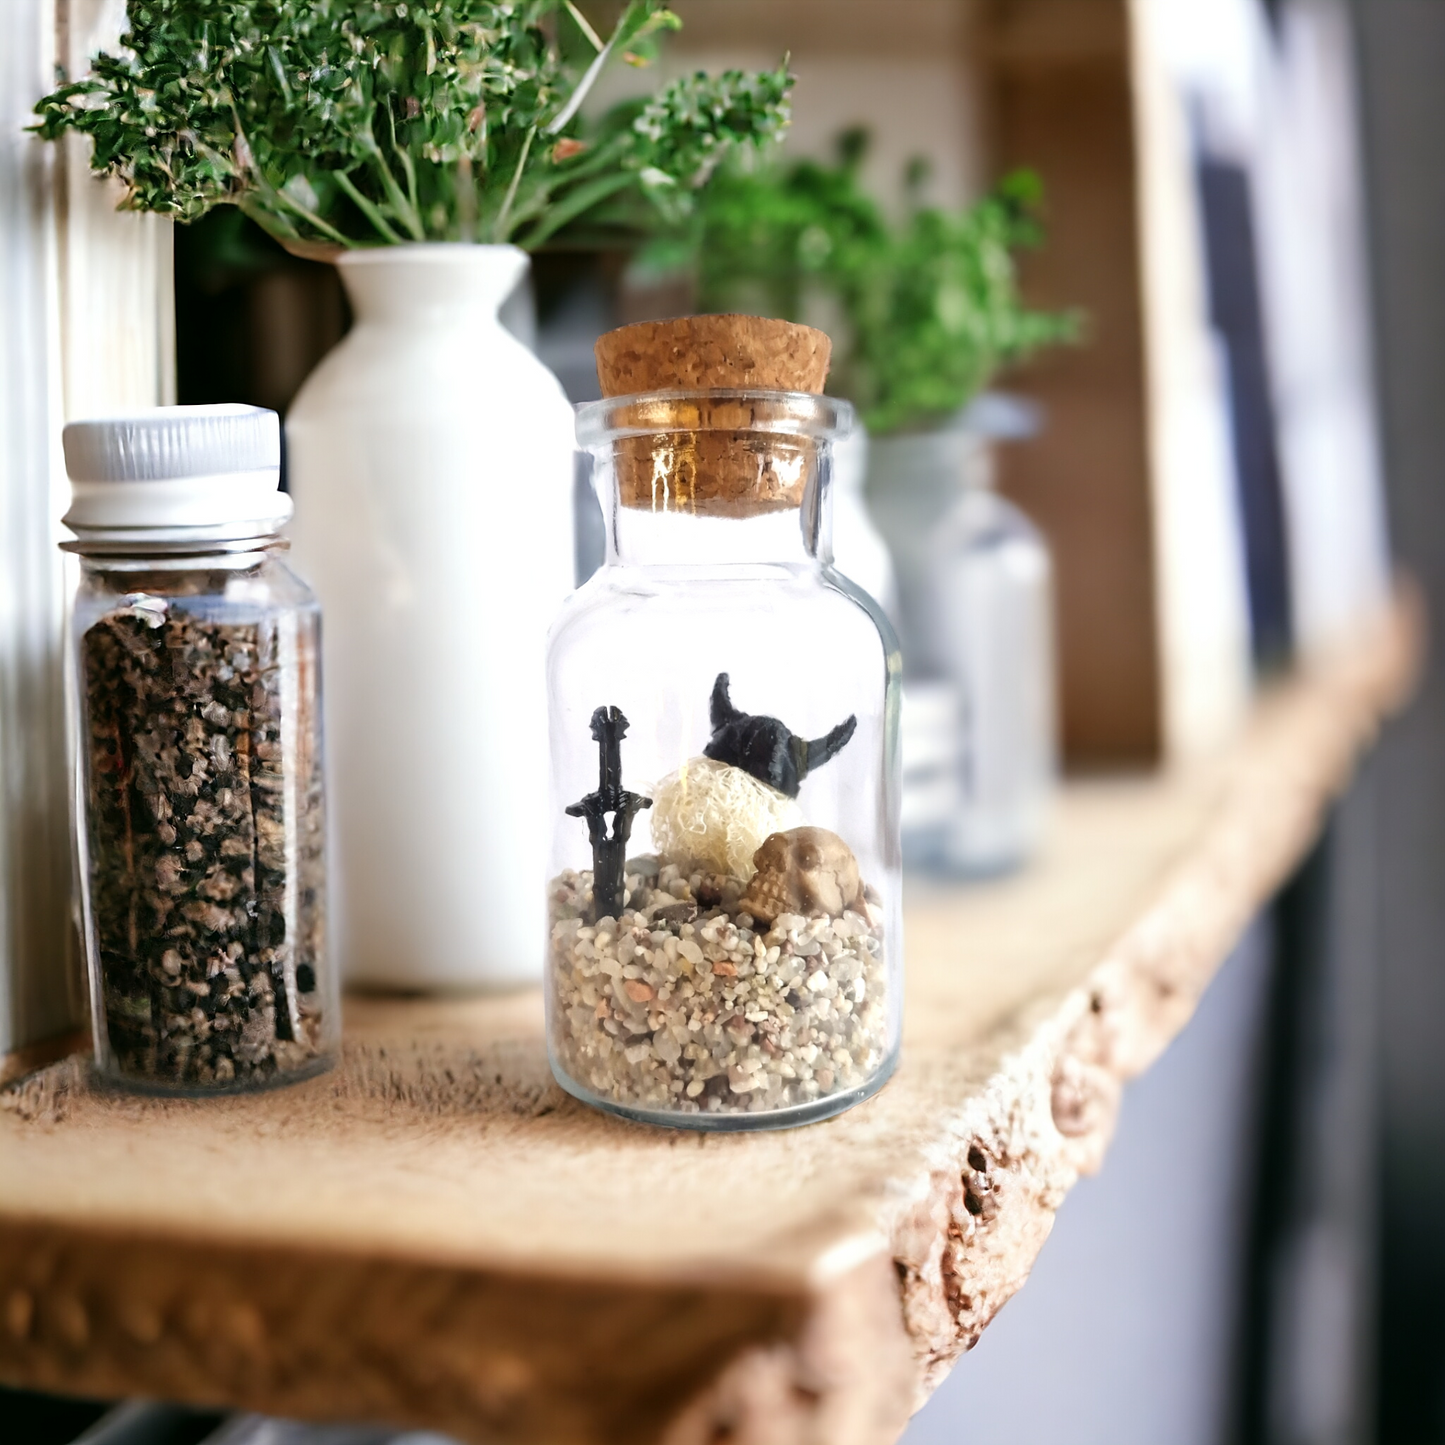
(609, 848)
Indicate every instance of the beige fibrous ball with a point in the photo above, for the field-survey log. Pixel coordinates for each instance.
(717, 816)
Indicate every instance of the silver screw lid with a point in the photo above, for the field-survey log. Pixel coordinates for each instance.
(173, 441)
(198, 474)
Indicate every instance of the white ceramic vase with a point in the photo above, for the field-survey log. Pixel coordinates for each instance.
(431, 459)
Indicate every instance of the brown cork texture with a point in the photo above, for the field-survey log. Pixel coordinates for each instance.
(703, 455)
(695, 353)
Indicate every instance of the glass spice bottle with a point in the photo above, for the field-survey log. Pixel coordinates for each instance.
(196, 723)
(720, 692)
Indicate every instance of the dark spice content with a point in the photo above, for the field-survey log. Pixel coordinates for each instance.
(205, 837)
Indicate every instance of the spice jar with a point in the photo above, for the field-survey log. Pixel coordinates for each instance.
(196, 719)
(725, 943)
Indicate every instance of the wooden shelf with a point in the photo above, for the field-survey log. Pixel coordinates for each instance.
(434, 1235)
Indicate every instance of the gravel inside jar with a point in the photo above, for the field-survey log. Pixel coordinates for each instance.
(205, 841)
(686, 1003)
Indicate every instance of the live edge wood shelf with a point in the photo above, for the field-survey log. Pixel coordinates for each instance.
(435, 1236)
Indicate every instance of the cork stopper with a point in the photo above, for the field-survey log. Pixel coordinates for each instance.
(693, 353)
(708, 455)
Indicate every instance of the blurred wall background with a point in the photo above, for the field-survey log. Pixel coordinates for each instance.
(1402, 50)
(1278, 1181)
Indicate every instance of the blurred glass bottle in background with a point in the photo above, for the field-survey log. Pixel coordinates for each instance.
(975, 619)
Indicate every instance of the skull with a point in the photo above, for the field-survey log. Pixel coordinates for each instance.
(805, 870)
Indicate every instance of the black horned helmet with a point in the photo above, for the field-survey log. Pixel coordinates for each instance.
(764, 747)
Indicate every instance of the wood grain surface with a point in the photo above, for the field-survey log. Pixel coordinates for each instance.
(435, 1235)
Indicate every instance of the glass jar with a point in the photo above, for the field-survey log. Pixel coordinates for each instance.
(975, 602)
(720, 692)
(196, 721)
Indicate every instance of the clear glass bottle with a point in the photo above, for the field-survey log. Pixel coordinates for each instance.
(721, 692)
(976, 620)
(196, 726)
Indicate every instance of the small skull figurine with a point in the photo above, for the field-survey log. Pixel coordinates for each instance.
(805, 870)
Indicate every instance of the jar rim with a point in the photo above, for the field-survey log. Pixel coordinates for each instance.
(175, 541)
(770, 413)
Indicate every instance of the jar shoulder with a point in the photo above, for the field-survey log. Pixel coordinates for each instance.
(983, 513)
(787, 609)
(287, 588)
(268, 587)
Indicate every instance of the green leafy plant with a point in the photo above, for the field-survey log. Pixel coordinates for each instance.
(365, 122)
(930, 306)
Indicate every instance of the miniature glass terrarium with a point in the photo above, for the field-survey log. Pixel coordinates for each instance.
(197, 730)
(725, 943)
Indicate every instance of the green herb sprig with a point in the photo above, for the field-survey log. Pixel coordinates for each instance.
(339, 123)
(930, 306)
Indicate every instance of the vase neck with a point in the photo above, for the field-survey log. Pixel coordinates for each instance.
(941, 463)
(440, 280)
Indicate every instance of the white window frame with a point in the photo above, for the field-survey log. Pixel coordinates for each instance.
(86, 329)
